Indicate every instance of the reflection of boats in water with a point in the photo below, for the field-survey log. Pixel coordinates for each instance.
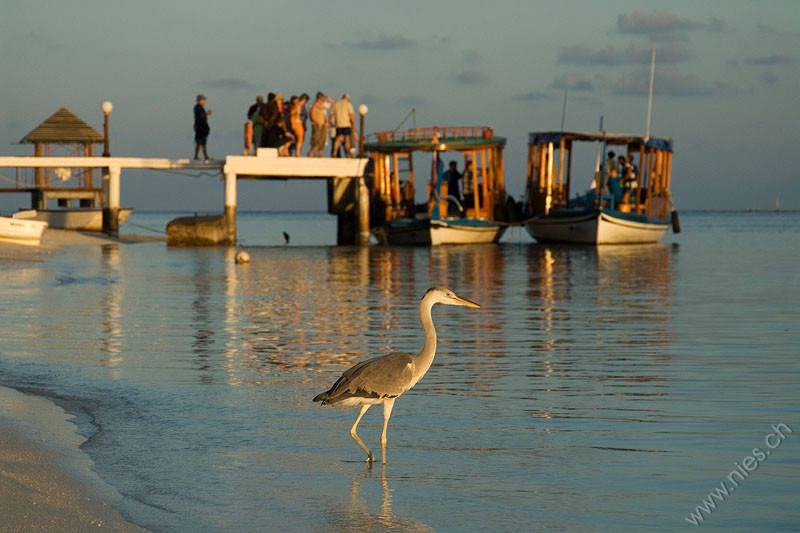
(21, 231)
(83, 219)
(623, 206)
(446, 218)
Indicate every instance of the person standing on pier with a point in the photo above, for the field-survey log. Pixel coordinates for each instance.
(319, 124)
(201, 129)
(344, 118)
(252, 116)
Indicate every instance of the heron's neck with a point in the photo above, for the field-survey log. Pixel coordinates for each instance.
(425, 357)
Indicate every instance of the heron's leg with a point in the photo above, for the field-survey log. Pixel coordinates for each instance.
(353, 434)
(387, 412)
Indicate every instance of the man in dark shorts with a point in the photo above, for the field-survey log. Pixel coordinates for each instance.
(344, 118)
(201, 129)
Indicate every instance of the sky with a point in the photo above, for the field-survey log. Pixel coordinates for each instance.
(726, 82)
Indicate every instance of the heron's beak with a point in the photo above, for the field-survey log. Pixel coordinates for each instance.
(457, 300)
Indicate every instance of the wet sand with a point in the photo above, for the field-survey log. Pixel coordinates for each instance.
(46, 481)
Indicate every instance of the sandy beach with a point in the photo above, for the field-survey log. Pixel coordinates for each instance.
(46, 481)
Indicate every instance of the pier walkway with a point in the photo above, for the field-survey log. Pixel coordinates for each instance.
(266, 165)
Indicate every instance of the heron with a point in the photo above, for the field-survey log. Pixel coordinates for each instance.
(381, 380)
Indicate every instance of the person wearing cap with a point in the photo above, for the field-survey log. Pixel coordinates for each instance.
(344, 118)
(201, 129)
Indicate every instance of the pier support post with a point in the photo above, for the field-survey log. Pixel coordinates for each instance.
(363, 209)
(111, 195)
(230, 206)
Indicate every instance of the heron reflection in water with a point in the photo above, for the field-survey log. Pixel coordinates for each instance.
(381, 380)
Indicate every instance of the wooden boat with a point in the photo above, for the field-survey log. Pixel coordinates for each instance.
(615, 210)
(88, 219)
(443, 219)
(21, 231)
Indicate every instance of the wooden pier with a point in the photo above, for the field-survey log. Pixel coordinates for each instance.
(345, 178)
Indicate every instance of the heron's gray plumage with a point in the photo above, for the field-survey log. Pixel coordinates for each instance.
(379, 377)
(382, 379)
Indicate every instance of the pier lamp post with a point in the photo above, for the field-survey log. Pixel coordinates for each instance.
(362, 111)
(107, 107)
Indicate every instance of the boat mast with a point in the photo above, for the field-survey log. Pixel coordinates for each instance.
(650, 98)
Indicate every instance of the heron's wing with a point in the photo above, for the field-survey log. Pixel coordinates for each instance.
(387, 376)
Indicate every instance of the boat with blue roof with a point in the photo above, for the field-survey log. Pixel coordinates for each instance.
(628, 200)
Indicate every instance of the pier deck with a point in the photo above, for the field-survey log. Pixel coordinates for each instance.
(266, 165)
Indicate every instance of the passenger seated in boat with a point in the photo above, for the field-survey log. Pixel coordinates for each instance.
(466, 187)
(628, 178)
(407, 207)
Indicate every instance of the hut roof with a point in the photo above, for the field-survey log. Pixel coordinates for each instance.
(63, 127)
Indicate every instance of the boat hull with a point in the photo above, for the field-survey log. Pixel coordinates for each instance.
(74, 219)
(27, 232)
(426, 232)
(596, 226)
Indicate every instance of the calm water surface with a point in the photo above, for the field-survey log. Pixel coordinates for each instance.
(605, 388)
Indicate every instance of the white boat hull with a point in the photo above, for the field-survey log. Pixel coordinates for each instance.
(438, 232)
(443, 233)
(598, 227)
(74, 219)
(27, 232)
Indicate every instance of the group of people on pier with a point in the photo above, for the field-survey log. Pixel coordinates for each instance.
(282, 124)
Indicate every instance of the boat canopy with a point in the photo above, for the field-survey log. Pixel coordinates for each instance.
(435, 139)
(392, 186)
(642, 186)
(545, 137)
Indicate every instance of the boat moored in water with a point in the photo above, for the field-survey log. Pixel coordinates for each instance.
(628, 201)
(446, 217)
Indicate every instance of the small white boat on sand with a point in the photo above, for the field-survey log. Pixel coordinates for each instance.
(21, 231)
(88, 219)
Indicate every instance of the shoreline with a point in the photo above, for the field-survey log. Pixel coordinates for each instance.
(46, 480)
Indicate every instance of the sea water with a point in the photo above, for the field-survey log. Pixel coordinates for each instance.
(600, 388)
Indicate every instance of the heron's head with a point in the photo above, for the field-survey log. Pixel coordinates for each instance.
(443, 295)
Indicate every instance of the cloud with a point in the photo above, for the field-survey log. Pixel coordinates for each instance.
(658, 25)
(533, 96)
(470, 77)
(472, 57)
(612, 55)
(763, 28)
(768, 78)
(384, 42)
(35, 38)
(715, 25)
(411, 101)
(775, 59)
(573, 82)
(669, 82)
(228, 84)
